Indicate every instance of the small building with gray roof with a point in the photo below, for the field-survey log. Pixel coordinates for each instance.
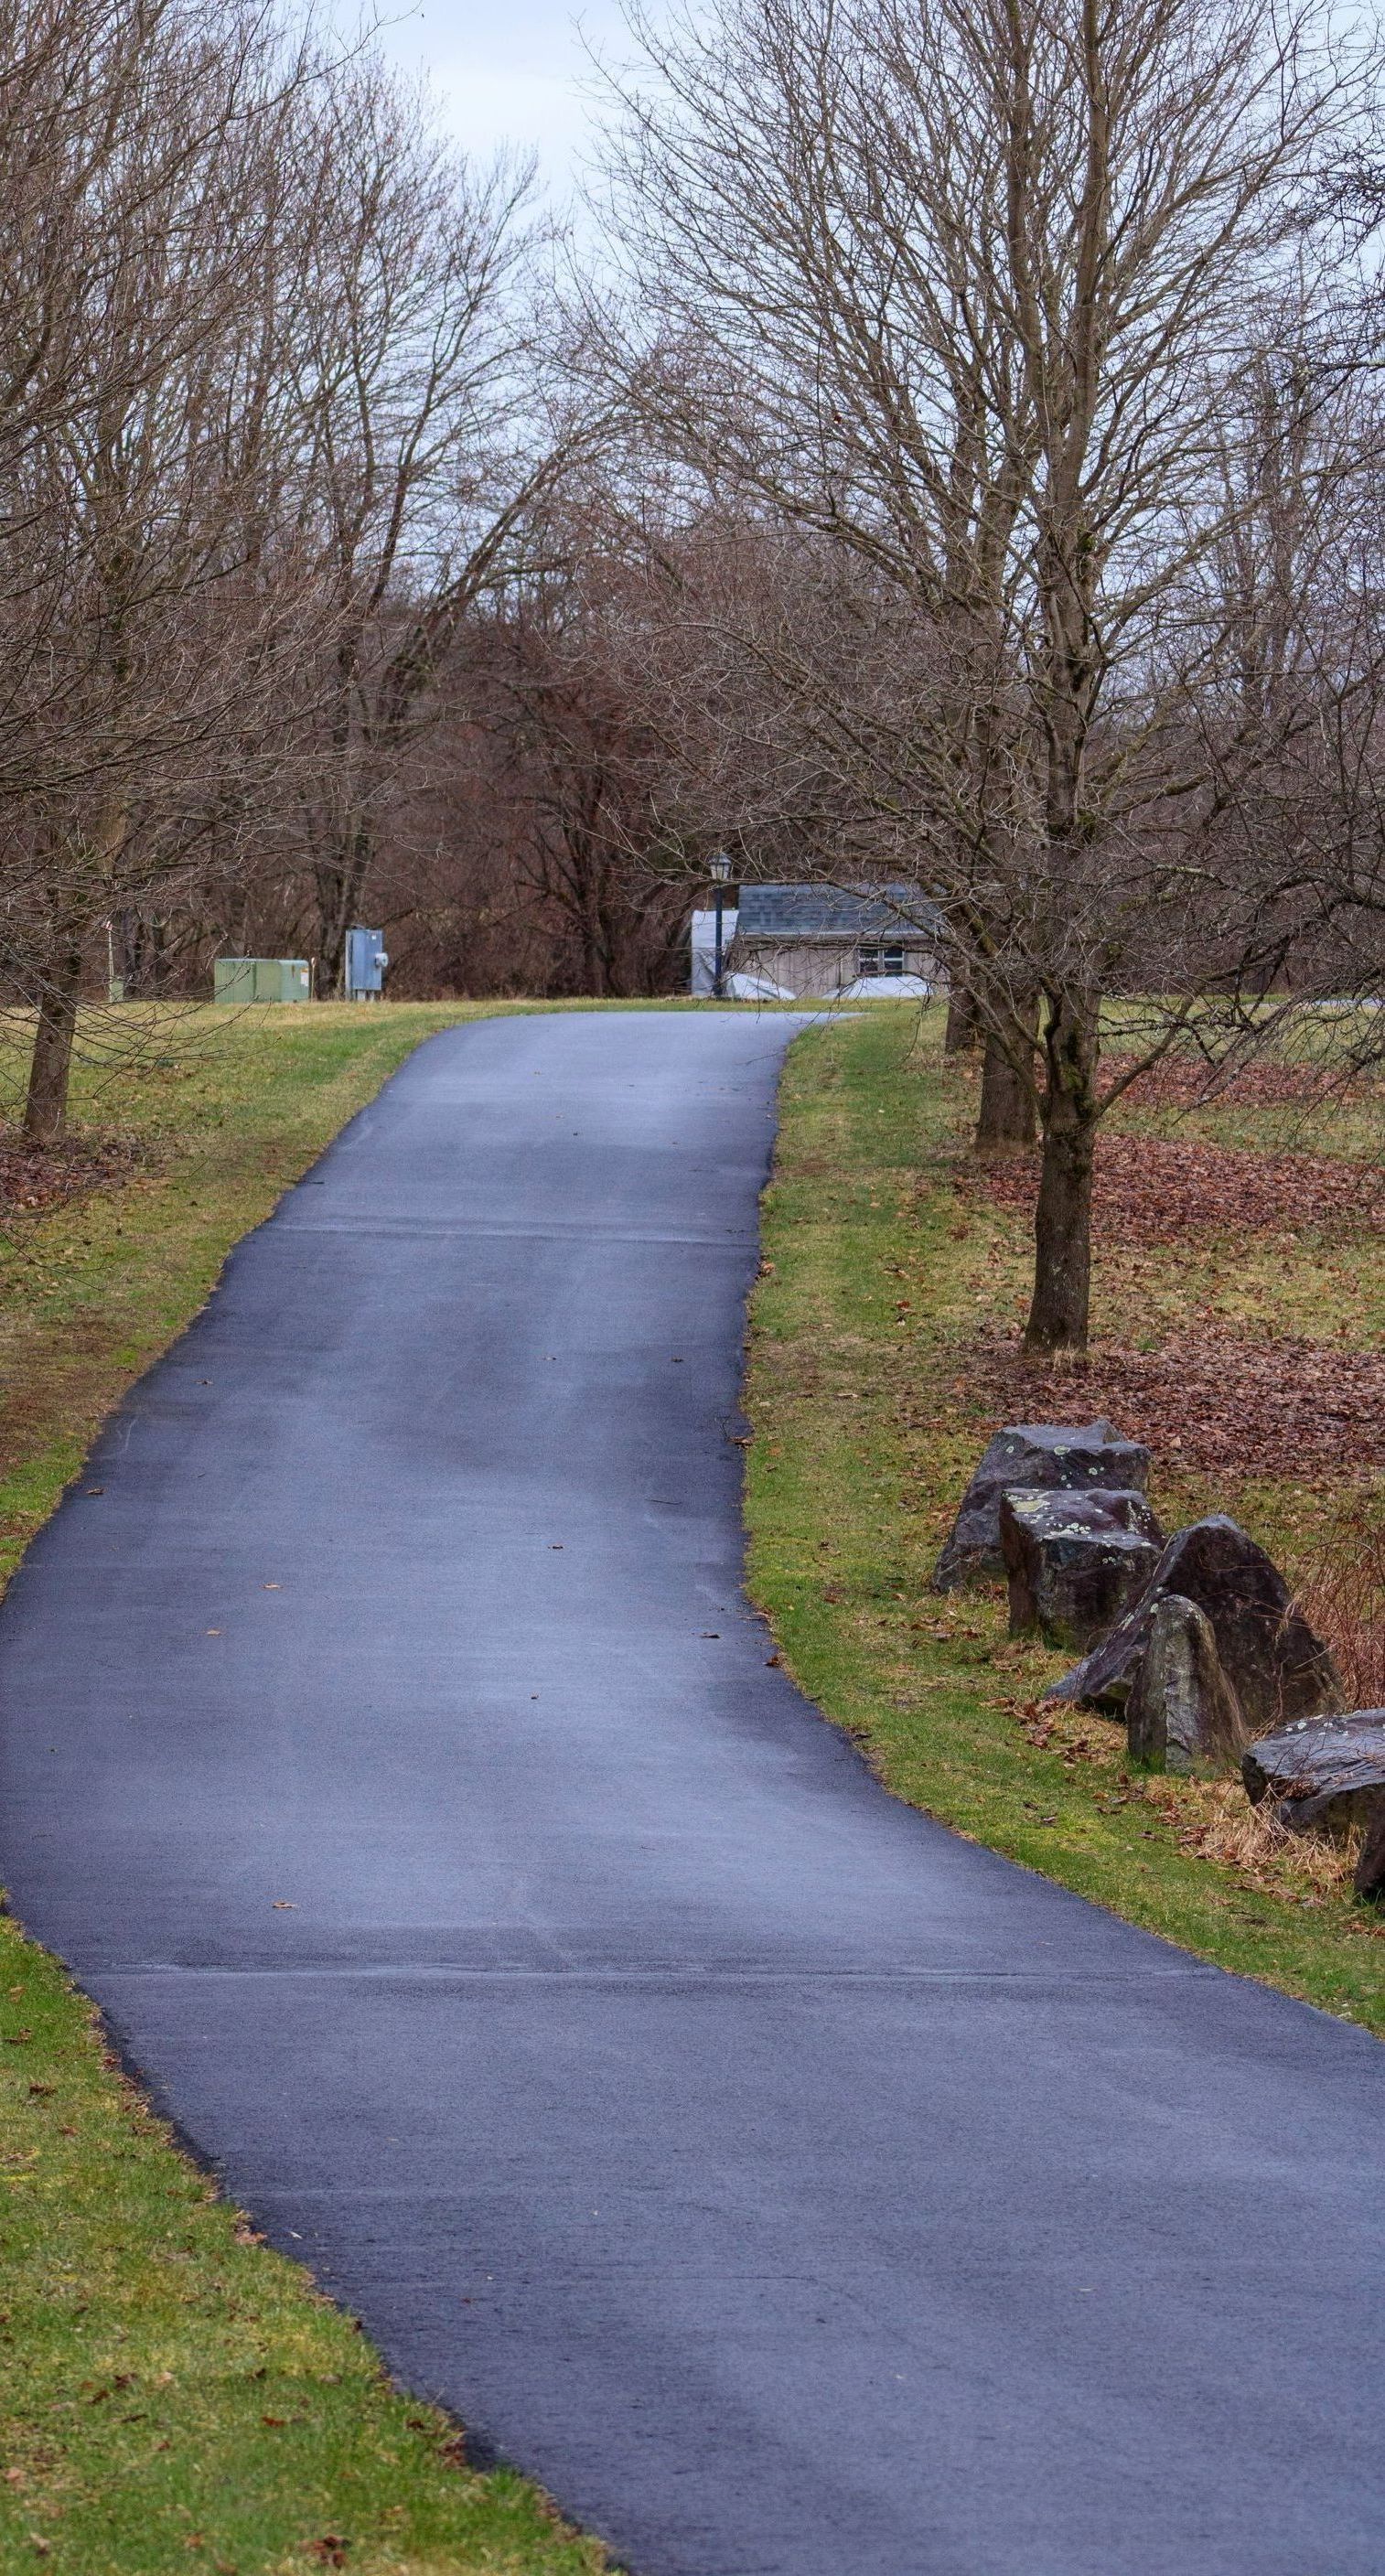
(824, 941)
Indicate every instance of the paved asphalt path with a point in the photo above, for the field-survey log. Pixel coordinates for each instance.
(793, 2188)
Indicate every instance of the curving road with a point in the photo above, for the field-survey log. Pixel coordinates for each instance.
(794, 2188)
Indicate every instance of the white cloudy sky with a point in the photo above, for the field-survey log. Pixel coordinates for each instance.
(510, 71)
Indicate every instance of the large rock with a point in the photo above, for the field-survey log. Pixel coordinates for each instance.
(1276, 1666)
(1182, 1709)
(1075, 1561)
(1326, 1773)
(1060, 1457)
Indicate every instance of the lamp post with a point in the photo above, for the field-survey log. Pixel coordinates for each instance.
(720, 871)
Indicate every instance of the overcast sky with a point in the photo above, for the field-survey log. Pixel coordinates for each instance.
(510, 73)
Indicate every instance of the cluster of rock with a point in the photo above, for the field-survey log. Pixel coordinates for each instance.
(1193, 1641)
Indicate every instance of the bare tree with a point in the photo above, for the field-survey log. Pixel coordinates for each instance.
(963, 293)
(1291, 838)
(425, 437)
(139, 567)
(587, 711)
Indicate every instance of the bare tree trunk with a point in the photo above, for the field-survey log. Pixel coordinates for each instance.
(1060, 1311)
(594, 978)
(963, 1030)
(1007, 1122)
(45, 1109)
(340, 886)
(330, 981)
(139, 955)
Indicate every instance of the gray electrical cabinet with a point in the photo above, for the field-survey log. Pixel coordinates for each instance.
(261, 979)
(365, 964)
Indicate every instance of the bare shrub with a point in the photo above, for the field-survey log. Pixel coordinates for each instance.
(1342, 1595)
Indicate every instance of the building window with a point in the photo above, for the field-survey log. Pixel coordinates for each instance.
(880, 961)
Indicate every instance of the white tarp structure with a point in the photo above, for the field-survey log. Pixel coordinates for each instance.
(704, 949)
(752, 988)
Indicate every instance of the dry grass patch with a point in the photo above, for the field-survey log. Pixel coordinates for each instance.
(1214, 1820)
(1341, 1589)
(1208, 1819)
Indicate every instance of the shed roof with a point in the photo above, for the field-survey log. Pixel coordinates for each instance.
(833, 912)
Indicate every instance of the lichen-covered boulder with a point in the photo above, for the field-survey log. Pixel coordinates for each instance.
(1276, 1666)
(1322, 1773)
(1182, 1710)
(1063, 1457)
(1075, 1561)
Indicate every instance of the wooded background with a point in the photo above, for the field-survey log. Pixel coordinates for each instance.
(948, 451)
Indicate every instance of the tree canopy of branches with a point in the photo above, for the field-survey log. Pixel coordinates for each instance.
(269, 418)
(967, 295)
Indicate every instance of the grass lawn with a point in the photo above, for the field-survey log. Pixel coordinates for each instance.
(173, 2395)
(892, 1275)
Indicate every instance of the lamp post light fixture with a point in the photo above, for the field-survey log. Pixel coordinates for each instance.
(719, 869)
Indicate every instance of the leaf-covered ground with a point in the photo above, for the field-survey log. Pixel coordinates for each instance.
(34, 1179)
(1238, 1271)
(1223, 1403)
(1161, 1189)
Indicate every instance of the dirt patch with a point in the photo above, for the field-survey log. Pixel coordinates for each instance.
(1211, 1401)
(1151, 1189)
(37, 1178)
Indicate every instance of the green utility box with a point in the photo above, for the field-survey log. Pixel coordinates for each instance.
(261, 979)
